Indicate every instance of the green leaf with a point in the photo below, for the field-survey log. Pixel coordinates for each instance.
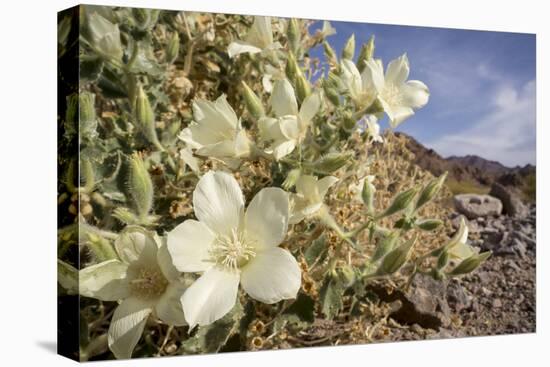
(331, 296)
(211, 338)
(90, 68)
(316, 250)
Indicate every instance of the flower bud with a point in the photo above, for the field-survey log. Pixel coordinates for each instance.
(303, 88)
(87, 115)
(253, 102)
(470, 264)
(145, 117)
(330, 53)
(385, 245)
(331, 93)
(349, 49)
(428, 224)
(400, 202)
(365, 54)
(430, 190)
(330, 162)
(292, 68)
(87, 176)
(293, 35)
(396, 258)
(367, 194)
(349, 122)
(292, 178)
(173, 48)
(140, 186)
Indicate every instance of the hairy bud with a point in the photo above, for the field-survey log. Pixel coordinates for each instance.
(330, 162)
(396, 258)
(470, 264)
(385, 245)
(252, 101)
(145, 117)
(303, 88)
(430, 190)
(330, 53)
(400, 202)
(173, 48)
(429, 224)
(349, 49)
(140, 186)
(293, 35)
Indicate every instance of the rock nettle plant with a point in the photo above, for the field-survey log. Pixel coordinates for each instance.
(229, 190)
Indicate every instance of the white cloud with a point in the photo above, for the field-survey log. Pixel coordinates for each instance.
(506, 134)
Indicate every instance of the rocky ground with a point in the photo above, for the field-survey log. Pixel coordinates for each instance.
(498, 298)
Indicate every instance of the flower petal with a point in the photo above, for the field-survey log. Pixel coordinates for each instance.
(373, 76)
(212, 296)
(136, 244)
(324, 184)
(266, 218)
(187, 156)
(398, 114)
(283, 99)
(188, 244)
(307, 187)
(240, 47)
(398, 70)
(105, 281)
(283, 149)
(289, 126)
(218, 202)
(310, 107)
(415, 94)
(271, 276)
(351, 77)
(168, 307)
(166, 264)
(127, 326)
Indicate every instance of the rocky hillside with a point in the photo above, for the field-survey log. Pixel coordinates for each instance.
(472, 173)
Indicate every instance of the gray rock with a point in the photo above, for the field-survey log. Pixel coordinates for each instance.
(511, 202)
(473, 226)
(474, 206)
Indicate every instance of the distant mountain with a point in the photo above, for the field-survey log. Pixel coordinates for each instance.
(468, 169)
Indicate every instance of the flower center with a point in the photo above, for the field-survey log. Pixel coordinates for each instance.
(232, 251)
(148, 283)
(392, 95)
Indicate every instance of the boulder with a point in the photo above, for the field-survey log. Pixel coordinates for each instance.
(511, 202)
(474, 205)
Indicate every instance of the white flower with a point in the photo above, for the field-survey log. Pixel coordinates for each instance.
(328, 29)
(370, 124)
(230, 246)
(259, 38)
(104, 35)
(310, 193)
(397, 96)
(360, 86)
(145, 281)
(216, 131)
(357, 189)
(289, 127)
(460, 250)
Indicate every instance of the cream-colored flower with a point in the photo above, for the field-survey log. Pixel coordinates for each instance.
(369, 123)
(460, 250)
(216, 131)
(397, 96)
(289, 128)
(144, 280)
(258, 39)
(229, 245)
(309, 197)
(360, 86)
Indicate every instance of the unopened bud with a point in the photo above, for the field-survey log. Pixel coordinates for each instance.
(330, 53)
(385, 245)
(367, 194)
(349, 122)
(293, 35)
(140, 186)
(253, 102)
(349, 49)
(173, 48)
(292, 178)
(396, 258)
(470, 264)
(331, 93)
(430, 190)
(303, 88)
(400, 202)
(145, 117)
(330, 162)
(365, 54)
(88, 120)
(429, 224)
(292, 68)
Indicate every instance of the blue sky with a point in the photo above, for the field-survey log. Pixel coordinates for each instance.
(482, 86)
